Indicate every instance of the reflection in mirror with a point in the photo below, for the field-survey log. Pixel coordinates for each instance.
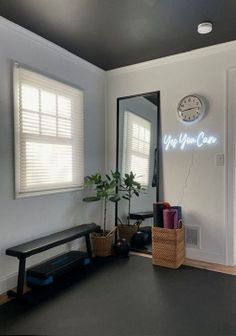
(137, 144)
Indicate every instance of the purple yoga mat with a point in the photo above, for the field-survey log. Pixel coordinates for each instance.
(170, 218)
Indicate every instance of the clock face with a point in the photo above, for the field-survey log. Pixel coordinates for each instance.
(190, 109)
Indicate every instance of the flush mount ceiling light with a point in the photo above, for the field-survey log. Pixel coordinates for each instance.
(204, 28)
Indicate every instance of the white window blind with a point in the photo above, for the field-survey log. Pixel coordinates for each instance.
(49, 134)
(136, 146)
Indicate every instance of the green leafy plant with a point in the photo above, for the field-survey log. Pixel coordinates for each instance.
(130, 187)
(105, 189)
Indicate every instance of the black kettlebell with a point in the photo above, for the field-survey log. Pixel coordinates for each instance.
(121, 248)
(138, 240)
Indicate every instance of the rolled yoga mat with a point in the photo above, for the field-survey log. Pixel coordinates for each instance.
(158, 214)
(170, 218)
(179, 209)
(166, 205)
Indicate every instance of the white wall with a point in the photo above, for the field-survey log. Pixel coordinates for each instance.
(25, 219)
(190, 179)
(231, 151)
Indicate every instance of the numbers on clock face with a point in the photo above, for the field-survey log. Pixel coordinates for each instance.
(190, 108)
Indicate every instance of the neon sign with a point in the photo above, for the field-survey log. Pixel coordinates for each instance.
(183, 141)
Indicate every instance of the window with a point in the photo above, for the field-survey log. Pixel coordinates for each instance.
(49, 139)
(136, 145)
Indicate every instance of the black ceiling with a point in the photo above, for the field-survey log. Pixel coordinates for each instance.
(115, 33)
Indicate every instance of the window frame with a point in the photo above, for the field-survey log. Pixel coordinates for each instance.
(16, 114)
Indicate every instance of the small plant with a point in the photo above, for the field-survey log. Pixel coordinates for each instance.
(105, 190)
(130, 187)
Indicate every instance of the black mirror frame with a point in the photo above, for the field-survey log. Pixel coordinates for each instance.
(158, 143)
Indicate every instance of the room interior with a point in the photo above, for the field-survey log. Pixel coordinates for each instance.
(90, 91)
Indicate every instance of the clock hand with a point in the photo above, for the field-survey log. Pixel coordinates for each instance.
(193, 108)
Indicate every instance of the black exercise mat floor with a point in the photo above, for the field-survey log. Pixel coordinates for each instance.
(128, 297)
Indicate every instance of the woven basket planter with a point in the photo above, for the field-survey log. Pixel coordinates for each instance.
(168, 248)
(102, 245)
(127, 231)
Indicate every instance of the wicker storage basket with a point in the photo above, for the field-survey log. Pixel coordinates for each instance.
(102, 245)
(127, 231)
(168, 247)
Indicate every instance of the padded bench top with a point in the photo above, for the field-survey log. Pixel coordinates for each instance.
(141, 215)
(42, 244)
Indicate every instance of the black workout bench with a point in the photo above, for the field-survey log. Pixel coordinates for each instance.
(141, 216)
(36, 246)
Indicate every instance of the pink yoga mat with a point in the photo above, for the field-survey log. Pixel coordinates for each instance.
(170, 218)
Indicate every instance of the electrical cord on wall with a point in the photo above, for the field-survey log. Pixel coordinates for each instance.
(187, 178)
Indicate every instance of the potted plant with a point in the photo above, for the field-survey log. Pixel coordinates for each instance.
(130, 187)
(104, 190)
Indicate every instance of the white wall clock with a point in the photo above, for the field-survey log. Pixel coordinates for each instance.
(191, 109)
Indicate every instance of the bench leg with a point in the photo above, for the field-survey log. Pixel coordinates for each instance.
(88, 245)
(21, 280)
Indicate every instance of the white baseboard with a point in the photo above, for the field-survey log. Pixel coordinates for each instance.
(8, 283)
(205, 255)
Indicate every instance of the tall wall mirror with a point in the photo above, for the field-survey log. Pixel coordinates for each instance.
(138, 135)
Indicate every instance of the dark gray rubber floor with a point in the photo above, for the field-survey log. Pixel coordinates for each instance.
(128, 297)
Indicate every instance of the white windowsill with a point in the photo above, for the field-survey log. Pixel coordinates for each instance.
(45, 192)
